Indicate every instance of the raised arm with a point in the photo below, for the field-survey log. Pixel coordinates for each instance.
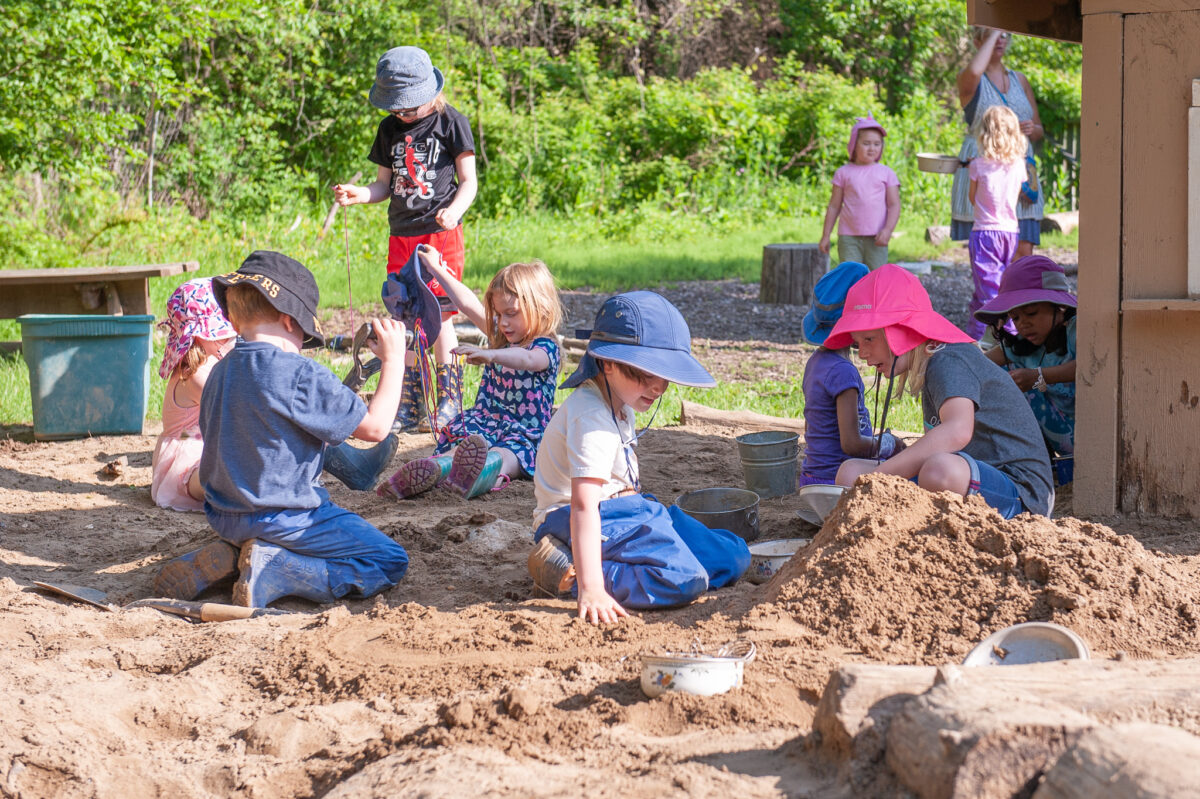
(464, 299)
(968, 79)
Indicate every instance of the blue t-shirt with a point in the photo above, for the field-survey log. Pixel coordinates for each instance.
(826, 375)
(266, 416)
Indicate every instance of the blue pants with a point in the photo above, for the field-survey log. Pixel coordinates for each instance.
(359, 557)
(653, 556)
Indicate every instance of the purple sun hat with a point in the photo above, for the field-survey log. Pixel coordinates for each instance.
(860, 124)
(1034, 278)
(192, 313)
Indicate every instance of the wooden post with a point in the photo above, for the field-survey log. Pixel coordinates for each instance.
(789, 272)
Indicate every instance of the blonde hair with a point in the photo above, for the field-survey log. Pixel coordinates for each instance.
(1000, 137)
(533, 287)
(245, 305)
(439, 103)
(913, 380)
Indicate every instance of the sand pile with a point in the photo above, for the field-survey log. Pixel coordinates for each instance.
(902, 575)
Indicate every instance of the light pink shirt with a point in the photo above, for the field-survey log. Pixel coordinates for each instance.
(864, 197)
(996, 193)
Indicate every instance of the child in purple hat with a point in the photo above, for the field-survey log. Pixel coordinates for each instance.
(866, 195)
(1040, 356)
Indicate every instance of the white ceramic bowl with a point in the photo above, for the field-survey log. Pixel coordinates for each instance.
(934, 162)
(818, 501)
(1031, 642)
(702, 675)
(768, 557)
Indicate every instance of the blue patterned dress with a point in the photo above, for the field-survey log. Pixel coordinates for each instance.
(512, 408)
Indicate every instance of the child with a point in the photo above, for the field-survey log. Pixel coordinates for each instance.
(996, 177)
(596, 533)
(267, 415)
(198, 336)
(866, 194)
(426, 158)
(837, 425)
(1040, 357)
(520, 314)
(981, 437)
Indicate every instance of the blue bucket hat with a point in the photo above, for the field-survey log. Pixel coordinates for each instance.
(829, 297)
(405, 78)
(408, 298)
(643, 330)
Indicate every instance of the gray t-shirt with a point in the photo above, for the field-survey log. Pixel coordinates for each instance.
(1007, 435)
(266, 416)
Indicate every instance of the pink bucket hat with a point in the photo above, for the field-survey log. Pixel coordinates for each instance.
(1034, 278)
(192, 312)
(864, 123)
(893, 299)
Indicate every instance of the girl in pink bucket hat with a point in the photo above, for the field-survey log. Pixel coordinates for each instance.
(980, 436)
(866, 195)
(1040, 357)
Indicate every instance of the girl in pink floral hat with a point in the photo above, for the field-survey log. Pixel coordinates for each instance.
(198, 335)
(980, 435)
(866, 195)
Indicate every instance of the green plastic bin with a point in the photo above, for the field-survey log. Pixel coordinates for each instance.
(88, 374)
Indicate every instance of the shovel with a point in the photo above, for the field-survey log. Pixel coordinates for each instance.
(198, 611)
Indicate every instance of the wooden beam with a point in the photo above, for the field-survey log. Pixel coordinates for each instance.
(1136, 6)
(1053, 19)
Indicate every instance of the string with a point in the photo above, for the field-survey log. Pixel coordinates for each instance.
(349, 287)
(429, 387)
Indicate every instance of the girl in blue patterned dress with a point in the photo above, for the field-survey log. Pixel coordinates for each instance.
(496, 440)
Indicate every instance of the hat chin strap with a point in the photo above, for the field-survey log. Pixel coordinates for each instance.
(887, 400)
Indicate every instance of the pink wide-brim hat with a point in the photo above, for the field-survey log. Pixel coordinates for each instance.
(1034, 278)
(893, 300)
(864, 123)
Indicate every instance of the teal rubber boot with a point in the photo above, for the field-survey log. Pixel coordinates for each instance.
(358, 468)
(412, 411)
(475, 468)
(416, 477)
(267, 572)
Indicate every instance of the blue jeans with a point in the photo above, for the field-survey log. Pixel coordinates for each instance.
(653, 556)
(359, 557)
(996, 488)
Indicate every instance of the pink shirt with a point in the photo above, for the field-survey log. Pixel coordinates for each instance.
(996, 193)
(864, 197)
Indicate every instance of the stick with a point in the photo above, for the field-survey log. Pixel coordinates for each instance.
(694, 413)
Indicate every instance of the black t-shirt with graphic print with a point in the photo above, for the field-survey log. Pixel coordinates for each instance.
(421, 156)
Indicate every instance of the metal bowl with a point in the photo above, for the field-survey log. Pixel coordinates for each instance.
(818, 501)
(1031, 642)
(699, 674)
(941, 164)
(768, 557)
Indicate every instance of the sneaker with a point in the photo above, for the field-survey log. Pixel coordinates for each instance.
(550, 566)
(188, 576)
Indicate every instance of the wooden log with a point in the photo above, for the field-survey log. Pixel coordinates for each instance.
(695, 413)
(859, 701)
(789, 272)
(1128, 761)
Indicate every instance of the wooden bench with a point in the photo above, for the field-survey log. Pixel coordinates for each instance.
(113, 290)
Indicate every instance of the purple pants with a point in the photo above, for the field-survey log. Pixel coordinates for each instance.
(991, 251)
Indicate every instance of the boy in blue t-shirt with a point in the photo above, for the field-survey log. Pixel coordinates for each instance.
(267, 415)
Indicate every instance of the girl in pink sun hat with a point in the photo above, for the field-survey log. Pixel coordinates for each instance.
(980, 435)
(866, 197)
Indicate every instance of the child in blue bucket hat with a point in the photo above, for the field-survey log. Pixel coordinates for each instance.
(598, 535)
(837, 424)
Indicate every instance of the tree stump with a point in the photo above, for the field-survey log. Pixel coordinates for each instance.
(789, 272)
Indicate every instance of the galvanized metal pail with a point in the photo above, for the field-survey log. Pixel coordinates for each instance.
(732, 509)
(769, 462)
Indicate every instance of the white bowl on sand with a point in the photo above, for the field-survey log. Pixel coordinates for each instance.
(703, 675)
(1031, 642)
(768, 557)
(818, 501)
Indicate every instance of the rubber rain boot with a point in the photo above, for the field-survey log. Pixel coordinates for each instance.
(188, 576)
(267, 572)
(358, 468)
(475, 468)
(412, 411)
(550, 566)
(416, 477)
(449, 397)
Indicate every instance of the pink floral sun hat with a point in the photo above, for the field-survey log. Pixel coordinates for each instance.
(192, 312)
(893, 299)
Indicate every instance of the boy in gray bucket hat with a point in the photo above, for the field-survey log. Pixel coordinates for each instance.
(425, 158)
(597, 534)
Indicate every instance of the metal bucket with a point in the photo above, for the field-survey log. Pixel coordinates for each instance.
(769, 462)
(733, 509)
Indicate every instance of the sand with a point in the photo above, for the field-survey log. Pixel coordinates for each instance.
(460, 677)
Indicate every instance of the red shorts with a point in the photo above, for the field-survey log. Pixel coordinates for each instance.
(448, 242)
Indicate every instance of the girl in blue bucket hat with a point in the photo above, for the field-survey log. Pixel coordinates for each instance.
(598, 535)
(837, 424)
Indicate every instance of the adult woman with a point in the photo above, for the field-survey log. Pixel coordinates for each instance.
(986, 82)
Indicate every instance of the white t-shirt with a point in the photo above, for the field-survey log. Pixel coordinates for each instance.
(582, 440)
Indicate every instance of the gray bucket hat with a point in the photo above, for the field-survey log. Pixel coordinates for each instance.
(405, 78)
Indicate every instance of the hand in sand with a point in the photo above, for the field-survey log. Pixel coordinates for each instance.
(597, 607)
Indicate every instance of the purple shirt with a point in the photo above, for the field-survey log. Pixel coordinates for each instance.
(826, 375)
(864, 197)
(998, 187)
